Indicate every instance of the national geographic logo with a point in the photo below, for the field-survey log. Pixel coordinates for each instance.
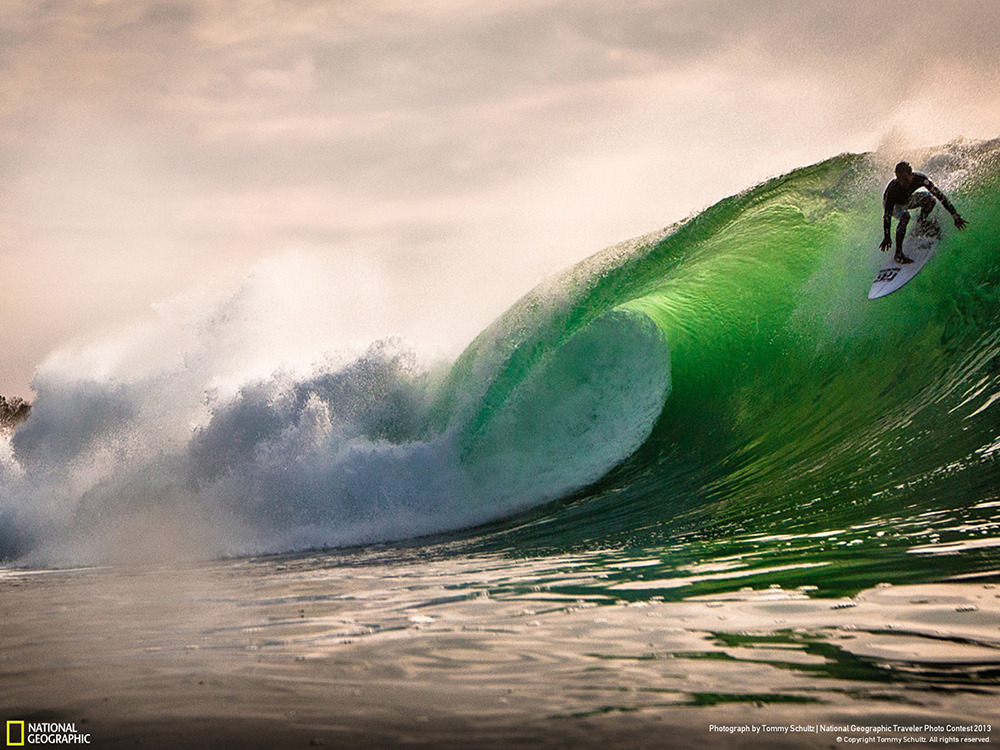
(23, 733)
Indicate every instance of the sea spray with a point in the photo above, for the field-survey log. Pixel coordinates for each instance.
(135, 454)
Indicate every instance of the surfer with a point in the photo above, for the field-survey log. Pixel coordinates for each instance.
(900, 195)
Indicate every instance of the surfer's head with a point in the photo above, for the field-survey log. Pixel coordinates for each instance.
(904, 172)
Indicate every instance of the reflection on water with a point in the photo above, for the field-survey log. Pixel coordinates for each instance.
(398, 645)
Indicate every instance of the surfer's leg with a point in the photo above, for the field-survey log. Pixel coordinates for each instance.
(925, 202)
(904, 219)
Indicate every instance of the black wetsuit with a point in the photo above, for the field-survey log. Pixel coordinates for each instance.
(897, 195)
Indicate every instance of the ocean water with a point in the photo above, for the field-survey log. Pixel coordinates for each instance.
(697, 480)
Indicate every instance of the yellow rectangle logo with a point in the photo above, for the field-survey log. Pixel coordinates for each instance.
(19, 727)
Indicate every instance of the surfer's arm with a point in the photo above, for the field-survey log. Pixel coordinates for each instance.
(936, 192)
(886, 229)
(887, 217)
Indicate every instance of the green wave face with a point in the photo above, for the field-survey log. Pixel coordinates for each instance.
(789, 400)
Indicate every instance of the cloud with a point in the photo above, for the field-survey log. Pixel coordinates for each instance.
(151, 144)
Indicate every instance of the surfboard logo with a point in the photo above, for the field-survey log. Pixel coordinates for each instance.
(893, 276)
(886, 274)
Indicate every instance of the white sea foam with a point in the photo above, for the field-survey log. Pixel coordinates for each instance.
(190, 435)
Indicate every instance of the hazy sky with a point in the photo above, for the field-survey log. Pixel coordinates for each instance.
(412, 167)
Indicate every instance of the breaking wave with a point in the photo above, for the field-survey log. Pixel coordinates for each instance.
(730, 362)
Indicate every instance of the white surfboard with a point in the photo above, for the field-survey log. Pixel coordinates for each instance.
(919, 245)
